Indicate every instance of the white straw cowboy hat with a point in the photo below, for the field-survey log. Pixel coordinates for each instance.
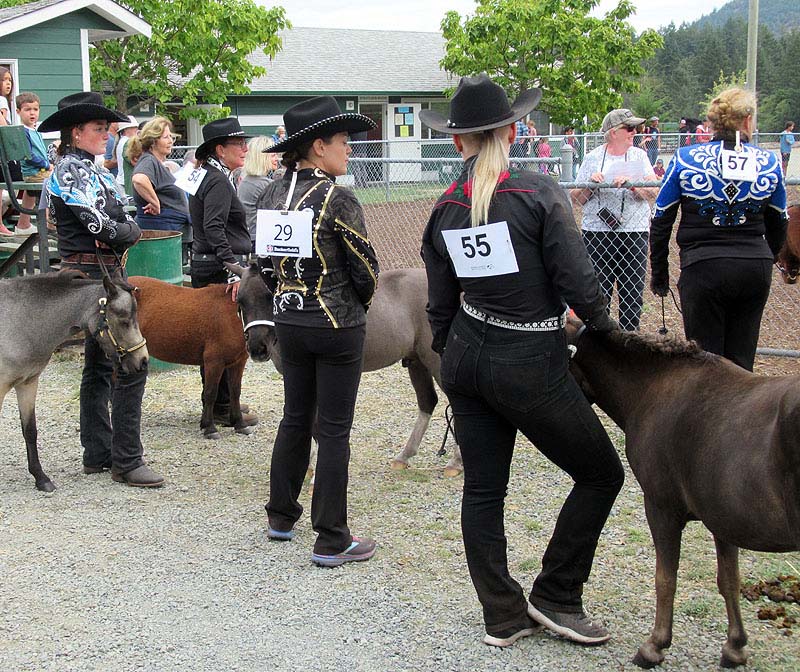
(480, 105)
(79, 108)
(316, 118)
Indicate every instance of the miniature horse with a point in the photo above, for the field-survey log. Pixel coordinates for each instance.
(397, 329)
(196, 326)
(707, 441)
(37, 314)
(788, 260)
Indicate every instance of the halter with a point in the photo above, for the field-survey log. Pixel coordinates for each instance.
(104, 327)
(785, 271)
(253, 323)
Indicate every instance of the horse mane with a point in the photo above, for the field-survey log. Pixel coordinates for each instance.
(670, 346)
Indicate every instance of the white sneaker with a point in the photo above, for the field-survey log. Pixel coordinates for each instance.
(25, 232)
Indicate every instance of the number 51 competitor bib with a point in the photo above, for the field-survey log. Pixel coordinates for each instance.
(481, 251)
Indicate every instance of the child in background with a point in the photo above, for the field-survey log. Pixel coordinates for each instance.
(6, 86)
(38, 167)
(658, 169)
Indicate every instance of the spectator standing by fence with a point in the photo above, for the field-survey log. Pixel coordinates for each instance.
(787, 141)
(733, 222)
(616, 221)
(703, 132)
(653, 140)
(257, 172)
(125, 131)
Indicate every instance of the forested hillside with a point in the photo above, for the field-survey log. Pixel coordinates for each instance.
(681, 75)
(780, 16)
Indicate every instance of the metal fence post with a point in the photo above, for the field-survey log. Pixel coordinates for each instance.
(567, 153)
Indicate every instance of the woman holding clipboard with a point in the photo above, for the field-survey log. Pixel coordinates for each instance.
(507, 239)
(326, 273)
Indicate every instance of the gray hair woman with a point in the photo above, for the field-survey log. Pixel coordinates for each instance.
(259, 166)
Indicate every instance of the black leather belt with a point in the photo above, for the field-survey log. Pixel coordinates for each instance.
(241, 258)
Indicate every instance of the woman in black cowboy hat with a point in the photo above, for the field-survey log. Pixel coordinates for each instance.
(321, 300)
(507, 239)
(93, 227)
(219, 226)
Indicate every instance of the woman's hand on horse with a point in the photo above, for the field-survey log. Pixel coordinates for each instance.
(233, 288)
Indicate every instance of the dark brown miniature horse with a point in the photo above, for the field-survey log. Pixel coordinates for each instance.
(788, 261)
(196, 326)
(707, 441)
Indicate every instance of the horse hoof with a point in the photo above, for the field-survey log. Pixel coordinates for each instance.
(46, 486)
(215, 435)
(247, 429)
(399, 465)
(732, 657)
(647, 660)
(452, 472)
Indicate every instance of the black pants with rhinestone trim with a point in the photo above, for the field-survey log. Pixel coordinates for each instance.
(499, 382)
(321, 373)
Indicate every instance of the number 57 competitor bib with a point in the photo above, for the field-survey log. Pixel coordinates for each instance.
(481, 251)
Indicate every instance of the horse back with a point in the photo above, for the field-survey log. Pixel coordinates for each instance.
(186, 325)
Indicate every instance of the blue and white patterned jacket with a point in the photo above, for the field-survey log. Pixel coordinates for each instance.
(719, 217)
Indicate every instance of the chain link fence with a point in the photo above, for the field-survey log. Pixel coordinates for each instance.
(398, 183)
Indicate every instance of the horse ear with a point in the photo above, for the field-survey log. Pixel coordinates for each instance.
(110, 287)
(234, 268)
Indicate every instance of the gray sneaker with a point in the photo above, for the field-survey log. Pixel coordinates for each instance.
(575, 626)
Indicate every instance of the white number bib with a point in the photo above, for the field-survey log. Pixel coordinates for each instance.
(481, 251)
(739, 165)
(189, 179)
(284, 233)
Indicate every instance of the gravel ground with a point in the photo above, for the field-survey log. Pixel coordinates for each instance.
(99, 576)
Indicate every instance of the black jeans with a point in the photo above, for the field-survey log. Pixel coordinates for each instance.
(116, 438)
(620, 258)
(723, 301)
(321, 373)
(204, 274)
(499, 381)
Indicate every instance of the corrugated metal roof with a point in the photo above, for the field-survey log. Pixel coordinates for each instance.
(12, 12)
(330, 60)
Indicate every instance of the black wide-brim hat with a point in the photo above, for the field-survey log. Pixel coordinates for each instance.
(78, 108)
(480, 105)
(216, 132)
(318, 118)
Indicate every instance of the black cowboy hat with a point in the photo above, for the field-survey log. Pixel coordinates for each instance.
(316, 118)
(215, 132)
(480, 105)
(79, 108)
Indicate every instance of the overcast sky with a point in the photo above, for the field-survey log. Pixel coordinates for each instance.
(426, 15)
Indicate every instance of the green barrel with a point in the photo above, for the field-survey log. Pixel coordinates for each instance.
(157, 255)
(12, 272)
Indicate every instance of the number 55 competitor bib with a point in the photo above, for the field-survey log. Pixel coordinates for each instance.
(481, 251)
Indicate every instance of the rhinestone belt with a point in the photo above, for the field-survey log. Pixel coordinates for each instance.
(549, 324)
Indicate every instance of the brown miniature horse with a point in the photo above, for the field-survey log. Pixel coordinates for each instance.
(196, 326)
(788, 260)
(707, 441)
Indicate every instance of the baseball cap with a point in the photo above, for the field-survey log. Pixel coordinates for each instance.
(618, 118)
(131, 123)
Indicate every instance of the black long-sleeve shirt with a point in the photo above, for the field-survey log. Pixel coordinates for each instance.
(333, 287)
(219, 223)
(554, 267)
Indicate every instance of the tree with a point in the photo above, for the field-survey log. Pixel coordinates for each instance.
(197, 53)
(583, 64)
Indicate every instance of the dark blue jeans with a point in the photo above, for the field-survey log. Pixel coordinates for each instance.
(499, 381)
(113, 439)
(321, 373)
(723, 300)
(620, 258)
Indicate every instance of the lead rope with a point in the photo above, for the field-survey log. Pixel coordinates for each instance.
(448, 416)
(662, 330)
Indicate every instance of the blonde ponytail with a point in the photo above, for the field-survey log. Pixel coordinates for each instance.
(492, 161)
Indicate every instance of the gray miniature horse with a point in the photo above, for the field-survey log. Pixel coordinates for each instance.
(707, 441)
(37, 314)
(397, 330)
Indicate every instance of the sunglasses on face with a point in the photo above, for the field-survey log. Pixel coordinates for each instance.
(236, 143)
